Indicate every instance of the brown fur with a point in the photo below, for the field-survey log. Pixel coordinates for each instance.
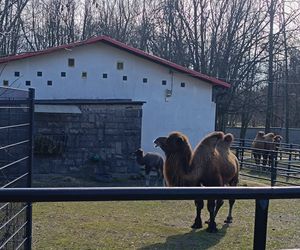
(266, 142)
(204, 157)
(258, 141)
(151, 161)
(178, 153)
(230, 169)
(269, 139)
(211, 164)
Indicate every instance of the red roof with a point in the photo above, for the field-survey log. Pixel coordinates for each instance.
(121, 46)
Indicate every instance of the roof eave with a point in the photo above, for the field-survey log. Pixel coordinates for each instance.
(122, 46)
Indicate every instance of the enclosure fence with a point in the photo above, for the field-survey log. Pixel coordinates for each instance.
(280, 167)
(16, 193)
(16, 143)
(261, 196)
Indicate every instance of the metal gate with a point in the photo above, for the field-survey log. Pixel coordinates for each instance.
(16, 153)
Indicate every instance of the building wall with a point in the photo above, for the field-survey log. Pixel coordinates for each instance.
(98, 141)
(189, 109)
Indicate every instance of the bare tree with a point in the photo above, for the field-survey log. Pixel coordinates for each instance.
(10, 25)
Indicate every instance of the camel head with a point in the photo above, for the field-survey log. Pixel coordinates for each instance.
(160, 141)
(278, 138)
(269, 136)
(178, 156)
(138, 152)
(175, 142)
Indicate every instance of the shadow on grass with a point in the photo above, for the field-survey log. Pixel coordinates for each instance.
(196, 239)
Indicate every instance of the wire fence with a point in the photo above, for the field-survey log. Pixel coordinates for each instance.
(280, 166)
(16, 130)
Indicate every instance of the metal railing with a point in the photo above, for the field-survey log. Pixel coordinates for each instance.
(16, 148)
(282, 166)
(262, 195)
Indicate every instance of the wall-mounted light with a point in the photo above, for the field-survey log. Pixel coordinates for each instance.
(168, 93)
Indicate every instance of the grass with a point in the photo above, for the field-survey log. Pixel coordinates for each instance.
(158, 225)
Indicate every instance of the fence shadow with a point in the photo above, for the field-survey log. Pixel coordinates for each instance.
(195, 239)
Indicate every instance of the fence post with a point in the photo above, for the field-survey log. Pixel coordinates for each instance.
(30, 165)
(273, 167)
(289, 163)
(237, 150)
(242, 143)
(260, 226)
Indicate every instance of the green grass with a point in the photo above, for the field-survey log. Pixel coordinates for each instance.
(158, 225)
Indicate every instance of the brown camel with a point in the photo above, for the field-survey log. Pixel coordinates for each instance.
(264, 145)
(211, 164)
(258, 144)
(151, 161)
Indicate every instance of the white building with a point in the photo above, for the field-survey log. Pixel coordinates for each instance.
(176, 98)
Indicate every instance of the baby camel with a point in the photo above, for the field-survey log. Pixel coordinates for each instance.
(152, 161)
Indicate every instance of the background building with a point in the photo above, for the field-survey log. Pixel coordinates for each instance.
(102, 69)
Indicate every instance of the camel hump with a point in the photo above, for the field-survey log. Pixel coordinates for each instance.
(260, 133)
(217, 134)
(259, 136)
(226, 142)
(228, 138)
(269, 136)
(212, 138)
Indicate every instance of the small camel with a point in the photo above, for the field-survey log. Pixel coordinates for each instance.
(151, 161)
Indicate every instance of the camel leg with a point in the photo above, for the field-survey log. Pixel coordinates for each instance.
(229, 217)
(265, 160)
(256, 158)
(212, 226)
(161, 177)
(158, 178)
(218, 206)
(147, 180)
(147, 175)
(198, 222)
(233, 183)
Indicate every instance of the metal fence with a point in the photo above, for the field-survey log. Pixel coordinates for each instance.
(261, 195)
(16, 129)
(281, 167)
(16, 194)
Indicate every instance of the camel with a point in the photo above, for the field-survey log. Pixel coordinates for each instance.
(258, 144)
(211, 164)
(152, 161)
(263, 145)
(272, 143)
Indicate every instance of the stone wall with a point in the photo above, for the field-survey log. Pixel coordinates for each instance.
(98, 141)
